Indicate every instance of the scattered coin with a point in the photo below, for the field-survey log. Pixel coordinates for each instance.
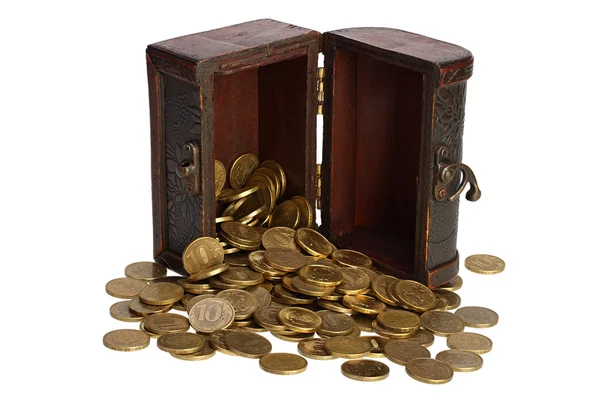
(283, 363)
(477, 317)
(208, 272)
(335, 324)
(220, 176)
(441, 304)
(355, 281)
(453, 285)
(125, 288)
(442, 323)
(414, 296)
(315, 349)
(298, 285)
(284, 295)
(364, 304)
(351, 258)
(284, 260)
(320, 275)
(484, 264)
(377, 343)
(126, 340)
(460, 361)
(181, 343)
(334, 306)
(164, 323)
(161, 294)
(468, 341)
(248, 344)
(399, 320)
(262, 296)
(243, 302)
(402, 352)
(285, 214)
(241, 169)
(241, 276)
(121, 311)
(211, 314)
(202, 253)
(280, 238)
(422, 337)
(365, 370)
(380, 285)
(364, 322)
(278, 170)
(147, 332)
(204, 354)
(307, 215)
(293, 336)
(428, 370)
(267, 317)
(452, 299)
(299, 319)
(145, 270)
(347, 347)
(238, 259)
(217, 340)
(391, 334)
(313, 242)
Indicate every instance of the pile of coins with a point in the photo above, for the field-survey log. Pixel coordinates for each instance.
(295, 284)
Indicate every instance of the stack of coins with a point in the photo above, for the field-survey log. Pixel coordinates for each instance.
(295, 284)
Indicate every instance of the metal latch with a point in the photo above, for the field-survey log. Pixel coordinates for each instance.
(189, 169)
(446, 174)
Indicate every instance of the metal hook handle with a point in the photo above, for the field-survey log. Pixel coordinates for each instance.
(447, 174)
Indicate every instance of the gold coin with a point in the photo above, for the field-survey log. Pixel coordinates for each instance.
(365, 370)
(181, 343)
(147, 332)
(441, 304)
(238, 259)
(120, 310)
(267, 286)
(229, 196)
(204, 354)
(242, 323)
(399, 320)
(208, 272)
(428, 370)
(380, 285)
(220, 176)
(241, 169)
(284, 260)
(299, 319)
(376, 343)
(363, 321)
(452, 299)
(217, 340)
(460, 361)
(355, 281)
(222, 219)
(233, 208)
(442, 323)
(468, 341)
(262, 296)
(197, 299)
(391, 334)
(254, 327)
(422, 337)
(279, 172)
(315, 349)
(240, 233)
(211, 314)
(351, 258)
(145, 270)
(285, 214)
(272, 177)
(161, 294)
(169, 279)
(313, 242)
(202, 253)
(241, 276)
(347, 347)
(322, 261)
(364, 304)
(125, 288)
(268, 317)
(335, 324)
(333, 306)
(248, 344)
(164, 323)
(126, 340)
(294, 337)
(320, 275)
(307, 215)
(477, 317)
(243, 302)
(453, 285)
(288, 297)
(193, 287)
(414, 296)
(335, 296)
(402, 352)
(259, 264)
(300, 286)
(280, 238)
(217, 283)
(484, 264)
(283, 363)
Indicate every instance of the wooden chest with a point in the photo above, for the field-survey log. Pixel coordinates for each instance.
(393, 108)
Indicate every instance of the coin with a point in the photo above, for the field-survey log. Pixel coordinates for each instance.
(267, 317)
(364, 304)
(217, 283)
(468, 341)
(335, 324)
(161, 294)
(222, 219)
(364, 322)
(278, 170)
(355, 281)
(181, 343)
(262, 296)
(293, 336)
(241, 276)
(441, 304)
(248, 344)
(126, 340)
(380, 285)
(442, 323)
(315, 349)
(391, 334)
(211, 314)
(217, 340)
(300, 286)
(414, 296)
(299, 319)
(220, 176)
(452, 299)
(243, 302)
(291, 298)
(283, 363)
(320, 275)
(238, 260)
(399, 320)
(284, 260)
(208, 272)
(164, 323)
(365, 370)
(307, 216)
(241, 169)
(460, 361)
(147, 332)
(234, 207)
(313, 242)
(125, 288)
(347, 347)
(453, 285)
(322, 261)
(272, 177)
(169, 279)
(402, 352)
(202, 253)
(120, 310)
(240, 234)
(192, 287)
(376, 343)
(333, 306)
(259, 264)
(145, 270)
(197, 299)
(285, 214)
(351, 258)
(484, 264)
(280, 238)
(428, 370)
(422, 337)
(477, 317)
(204, 354)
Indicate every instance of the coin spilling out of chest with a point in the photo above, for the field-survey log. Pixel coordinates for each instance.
(365, 370)
(248, 344)
(145, 270)
(125, 288)
(283, 363)
(484, 264)
(126, 340)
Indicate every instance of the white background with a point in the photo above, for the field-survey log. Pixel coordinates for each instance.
(76, 204)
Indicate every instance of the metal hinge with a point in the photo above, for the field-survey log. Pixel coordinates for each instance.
(319, 183)
(320, 90)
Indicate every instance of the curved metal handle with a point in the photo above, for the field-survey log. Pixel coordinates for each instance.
(447, 174)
